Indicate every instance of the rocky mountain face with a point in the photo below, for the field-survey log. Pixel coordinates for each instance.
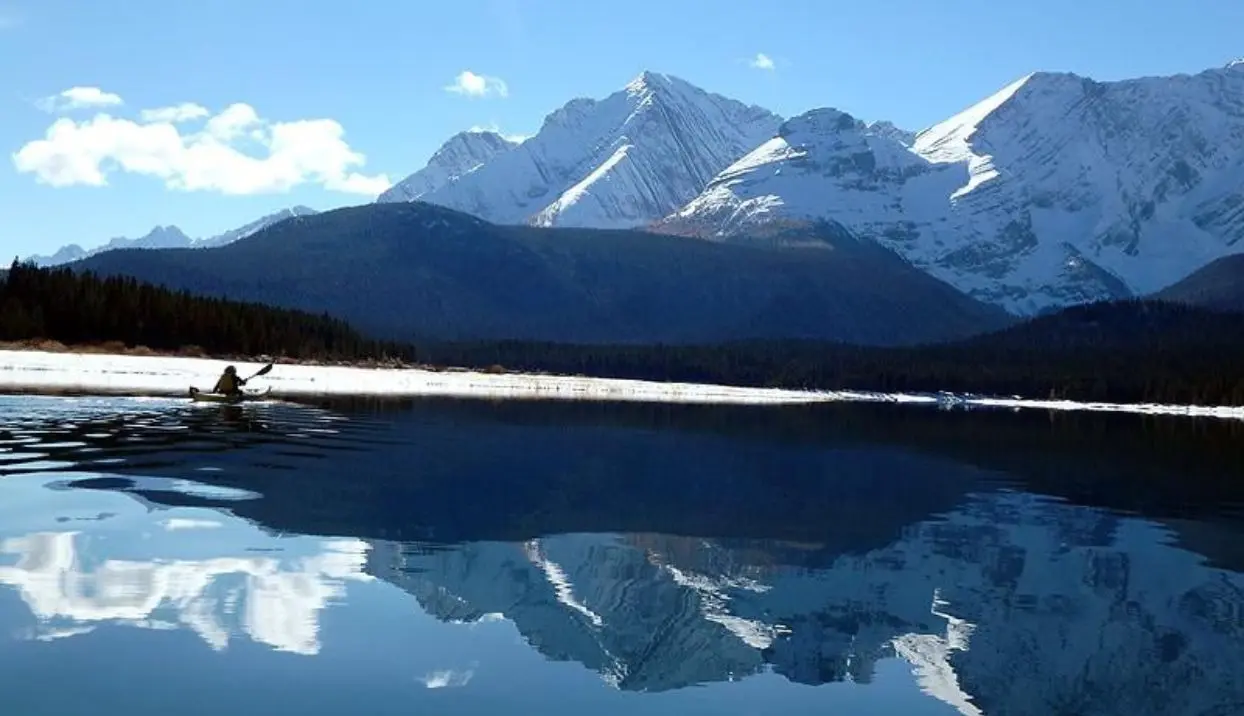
(462, 154)
(620, 162)
(1056, 190)
(170, 237)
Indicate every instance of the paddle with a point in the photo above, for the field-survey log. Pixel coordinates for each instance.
(262, 371)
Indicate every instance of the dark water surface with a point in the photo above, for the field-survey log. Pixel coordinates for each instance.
(446, 557)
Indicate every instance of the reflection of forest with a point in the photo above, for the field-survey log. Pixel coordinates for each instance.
(845, 477)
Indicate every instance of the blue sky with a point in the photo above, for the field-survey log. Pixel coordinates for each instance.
(321, 84)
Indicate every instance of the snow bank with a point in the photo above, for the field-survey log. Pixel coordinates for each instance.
(156, 375)
(159, 375)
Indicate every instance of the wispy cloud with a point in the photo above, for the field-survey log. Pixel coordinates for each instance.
(78, 98)
(497, 130)
(763, 62)
(472, 85)
(184, 112)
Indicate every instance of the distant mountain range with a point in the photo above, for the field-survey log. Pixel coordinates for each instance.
(169, 237)
(416, 271)
(1056, 190)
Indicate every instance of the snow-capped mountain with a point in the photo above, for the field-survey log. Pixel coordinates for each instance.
(1056, 190)
(462, 154)
(170, 237)
(624, 161)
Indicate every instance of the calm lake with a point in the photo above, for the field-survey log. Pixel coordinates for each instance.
(442, 557)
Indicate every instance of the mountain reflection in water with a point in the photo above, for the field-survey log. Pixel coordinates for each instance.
(1012, 563)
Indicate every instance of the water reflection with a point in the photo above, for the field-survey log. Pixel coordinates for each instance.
(1005, 563)
(1011, 604)
(276, 602)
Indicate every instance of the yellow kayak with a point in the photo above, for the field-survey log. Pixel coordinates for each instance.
(207, 397)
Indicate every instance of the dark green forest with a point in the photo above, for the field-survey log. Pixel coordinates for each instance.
(1122, 351)
(81, 309)
(1129, 351)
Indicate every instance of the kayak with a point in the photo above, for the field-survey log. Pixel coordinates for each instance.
(206, 397)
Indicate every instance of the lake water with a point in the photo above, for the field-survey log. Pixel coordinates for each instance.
(446, 557)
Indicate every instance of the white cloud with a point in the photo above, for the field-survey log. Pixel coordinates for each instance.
(763, 62)
(184, 112)
(236, 152)
(78, 98)
(497, 130)
(472, 85)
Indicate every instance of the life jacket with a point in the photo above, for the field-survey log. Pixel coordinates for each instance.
(228, 383)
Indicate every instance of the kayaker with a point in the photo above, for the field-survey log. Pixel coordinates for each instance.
(229, 383)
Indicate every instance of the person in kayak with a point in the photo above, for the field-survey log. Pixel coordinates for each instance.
(229, 383)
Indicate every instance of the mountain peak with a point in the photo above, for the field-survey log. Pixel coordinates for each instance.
(467, 150)
(625, 160)
(649, 80)
(823, 121)
(160, 237)
(461, 154)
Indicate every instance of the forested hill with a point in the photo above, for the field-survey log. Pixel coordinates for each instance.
(1126, 351)
(416, 272)
(83, 309)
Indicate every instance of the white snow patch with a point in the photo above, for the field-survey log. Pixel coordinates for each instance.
(174, 376)
(560, 581)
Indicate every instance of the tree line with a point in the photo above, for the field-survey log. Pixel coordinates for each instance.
(1126, 351)
(82, 308)
(1123, 352)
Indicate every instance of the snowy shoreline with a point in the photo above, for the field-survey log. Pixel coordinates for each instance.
(43, 372)
(105, 374)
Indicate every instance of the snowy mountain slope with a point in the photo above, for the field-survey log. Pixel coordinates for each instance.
(620, 162)
(170, 237)
(461, 154)
(1055, 190)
